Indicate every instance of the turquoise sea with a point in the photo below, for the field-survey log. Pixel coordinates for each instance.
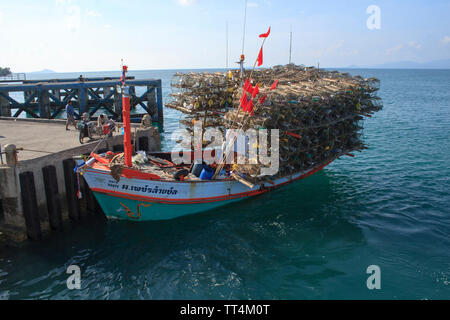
(389, 206)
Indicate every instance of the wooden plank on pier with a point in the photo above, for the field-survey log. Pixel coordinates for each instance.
(30, 205)
(84, 211)
(89, 196)
(73, 205)
(2, 213)
(53, 197)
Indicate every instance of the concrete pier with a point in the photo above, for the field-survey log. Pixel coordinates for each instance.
(37, 190)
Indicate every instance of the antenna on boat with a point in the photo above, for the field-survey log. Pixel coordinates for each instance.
(245, 22)
(226, 25)
(242, 58)
(290, 48)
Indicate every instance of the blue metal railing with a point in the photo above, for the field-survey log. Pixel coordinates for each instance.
(43, 99)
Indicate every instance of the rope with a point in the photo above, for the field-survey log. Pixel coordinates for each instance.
(31, 150)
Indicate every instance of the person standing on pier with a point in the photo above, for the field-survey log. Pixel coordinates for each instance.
(70, 115)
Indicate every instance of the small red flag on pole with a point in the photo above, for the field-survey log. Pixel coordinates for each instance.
(255, 91)
(248, 87)
(260, 57)
(244, 101)
(265, 35)
(263, 98)
(274, 85)
(250, 107)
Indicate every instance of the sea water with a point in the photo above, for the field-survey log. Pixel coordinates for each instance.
(315, 239)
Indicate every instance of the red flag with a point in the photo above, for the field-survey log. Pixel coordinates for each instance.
(263, 98)
(260, 57)
(255, 91)
(250, 107)
(265, 35)
(246, 83)
(274, 86)
(244, 101)
(248, 86)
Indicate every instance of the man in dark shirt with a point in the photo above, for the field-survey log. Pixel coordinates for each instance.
(70, 115)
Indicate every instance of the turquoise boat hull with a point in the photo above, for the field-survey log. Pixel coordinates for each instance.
(135, 210)
(139, 196)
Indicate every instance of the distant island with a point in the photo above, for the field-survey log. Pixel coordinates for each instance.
(436, 64)
(42, 71)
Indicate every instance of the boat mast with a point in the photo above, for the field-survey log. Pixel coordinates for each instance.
(227, 45)
(242, 58)
(290, 48)
(126, 119)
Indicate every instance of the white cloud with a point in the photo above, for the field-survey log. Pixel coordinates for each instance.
(415, 45)
(185, 3)
(395, 49)
(445, 40)
(72, 19)
(63, 2)
(91, 13)
(252, 5)
(401, 46)
(332, 49)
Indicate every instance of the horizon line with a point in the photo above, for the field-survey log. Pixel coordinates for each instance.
(223, 68)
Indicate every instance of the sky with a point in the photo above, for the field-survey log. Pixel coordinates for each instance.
(94, 35)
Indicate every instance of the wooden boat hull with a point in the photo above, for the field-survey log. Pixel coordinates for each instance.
(138, 199)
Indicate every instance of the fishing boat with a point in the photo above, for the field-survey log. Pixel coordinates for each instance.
(160, 189)
(149, 193)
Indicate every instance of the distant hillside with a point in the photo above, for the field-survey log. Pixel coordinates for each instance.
(436, 64)
(42, 71)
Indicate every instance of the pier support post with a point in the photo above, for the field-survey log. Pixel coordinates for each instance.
(160, 104)
(44, 105)
(73, 204)
(53, 198)
(151, 102)
(13, 221)
(30, 205)
(2, 214)
(90, 198)
(5, 108)
(106, 92)
(11, 155)
(83, 98)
